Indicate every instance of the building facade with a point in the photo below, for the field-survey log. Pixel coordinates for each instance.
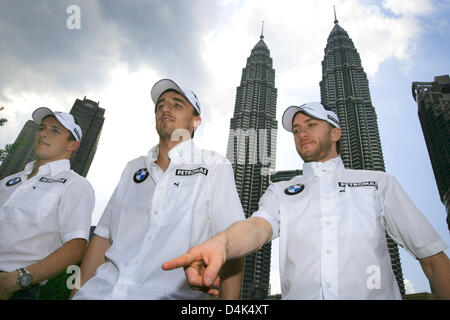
(90, 118)
(344, 89)
(21, 152)
(433, 101)
(251, 150)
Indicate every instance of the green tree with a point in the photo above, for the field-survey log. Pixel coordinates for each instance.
(2, 120)
(9, 147)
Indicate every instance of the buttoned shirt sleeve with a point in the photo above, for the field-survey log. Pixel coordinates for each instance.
(406, 224)
(75, 210)
(225, 204)
(269, 209)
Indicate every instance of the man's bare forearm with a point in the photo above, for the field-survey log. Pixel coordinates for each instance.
(245, 237)
(69, 254)
(437, 270)
(231, 279)
(94, 257)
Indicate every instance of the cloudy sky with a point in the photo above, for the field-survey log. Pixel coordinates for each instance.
(122, 48)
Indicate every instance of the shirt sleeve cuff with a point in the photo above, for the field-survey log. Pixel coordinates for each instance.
(431, 250)
(80, 234)
(273, 222)
(102, 231)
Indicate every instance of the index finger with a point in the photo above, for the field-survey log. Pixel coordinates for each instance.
(184, 260)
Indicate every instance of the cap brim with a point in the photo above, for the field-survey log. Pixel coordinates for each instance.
(288, 116)
(41, 113)
(162, 86)
(290, 112)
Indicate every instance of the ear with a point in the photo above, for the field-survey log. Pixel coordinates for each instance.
(336, 134)
(197, 121)
(73, 145)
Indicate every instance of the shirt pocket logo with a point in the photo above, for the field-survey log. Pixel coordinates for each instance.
(13, 181)
(294, 189)
(140, 175)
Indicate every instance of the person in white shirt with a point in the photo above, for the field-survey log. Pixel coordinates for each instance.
(175, 197)
(45, 210)
(331, 222)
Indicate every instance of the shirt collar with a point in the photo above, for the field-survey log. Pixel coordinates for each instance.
(182, 152)
(332, 166)
(53, 168)
(29, 168)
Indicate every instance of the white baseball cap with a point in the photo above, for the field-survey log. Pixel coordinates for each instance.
(64, 118)
(166, 84)
(312, 109)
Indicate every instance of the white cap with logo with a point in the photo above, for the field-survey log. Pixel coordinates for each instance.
(166, 84)
(64, 118)
(312, 109)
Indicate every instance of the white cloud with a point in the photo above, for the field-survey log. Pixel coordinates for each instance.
(410, 7)
(409, 286)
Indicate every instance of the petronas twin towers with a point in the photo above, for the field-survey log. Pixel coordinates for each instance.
(251, 148)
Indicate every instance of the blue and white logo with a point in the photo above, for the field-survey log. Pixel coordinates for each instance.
(140, 175)
(294, 189)
(13, 181)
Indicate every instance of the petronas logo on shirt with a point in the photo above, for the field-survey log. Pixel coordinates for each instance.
(294, 189)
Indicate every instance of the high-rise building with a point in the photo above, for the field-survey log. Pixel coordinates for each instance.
(251, 150)
(433, 101)
(90, 118)
(21, 152)
(344, 89)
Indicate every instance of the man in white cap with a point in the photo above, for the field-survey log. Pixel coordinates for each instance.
(45, 210)
(331, 222)
(175, 197)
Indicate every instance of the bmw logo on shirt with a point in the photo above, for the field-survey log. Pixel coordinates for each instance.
(13, 181)
(294, 189)
(140, 175)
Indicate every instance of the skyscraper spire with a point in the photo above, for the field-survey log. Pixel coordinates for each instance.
(335, 19)
(251, 151)
(262, 31)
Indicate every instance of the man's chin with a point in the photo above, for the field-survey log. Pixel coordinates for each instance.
(307, 156)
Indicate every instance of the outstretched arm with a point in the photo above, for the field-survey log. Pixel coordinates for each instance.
(202, 263)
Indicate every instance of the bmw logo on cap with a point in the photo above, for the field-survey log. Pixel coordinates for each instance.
(13, 181)
(294, 189)
(140, 175)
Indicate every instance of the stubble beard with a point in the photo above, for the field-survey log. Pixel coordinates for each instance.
(322, 151)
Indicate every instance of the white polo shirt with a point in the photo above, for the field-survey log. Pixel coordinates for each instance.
(38, 215)
(332, 222)
(155, 216)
